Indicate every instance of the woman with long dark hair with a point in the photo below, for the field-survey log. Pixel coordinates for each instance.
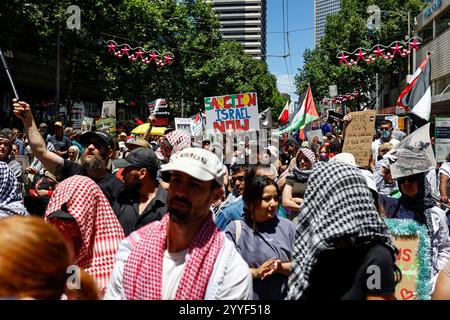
(263, 239)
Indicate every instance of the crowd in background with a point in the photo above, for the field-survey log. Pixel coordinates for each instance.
(163, 218)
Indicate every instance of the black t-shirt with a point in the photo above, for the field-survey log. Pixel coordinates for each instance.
(352, 274)
(126, 207)
(110, 185)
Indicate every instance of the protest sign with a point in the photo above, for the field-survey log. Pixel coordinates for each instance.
(106, 125)
(406, 262)
(414, 154)
(87, 123)
(413, 259)
(358, 136)
(183, 124)
(160, 108)
(314, 133)
(442, 139)
(237, 112)
(333, 116)
(108, 109)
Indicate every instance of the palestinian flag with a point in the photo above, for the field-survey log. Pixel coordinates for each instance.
(416, 98)
(305, 115)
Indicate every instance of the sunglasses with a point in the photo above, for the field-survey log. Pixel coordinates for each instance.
(410, 179)
(385, 129)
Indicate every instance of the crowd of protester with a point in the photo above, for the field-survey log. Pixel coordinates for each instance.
(164, 218)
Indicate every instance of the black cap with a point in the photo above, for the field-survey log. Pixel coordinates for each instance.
(89, 137)
(141, 158)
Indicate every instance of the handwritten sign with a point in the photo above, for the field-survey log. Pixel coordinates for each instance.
(358, 136)
(237, 112)
(407, 263)
(413, 259)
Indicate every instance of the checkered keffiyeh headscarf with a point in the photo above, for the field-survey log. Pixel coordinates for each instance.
(100, 229)
(338, 211)
(142, 277)
(178, 140)
(11, 201)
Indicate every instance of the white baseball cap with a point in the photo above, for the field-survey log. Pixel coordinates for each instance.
(198, 163)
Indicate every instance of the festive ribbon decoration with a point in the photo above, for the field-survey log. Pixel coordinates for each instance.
(379, 51)
(342, 98)
(136, 54)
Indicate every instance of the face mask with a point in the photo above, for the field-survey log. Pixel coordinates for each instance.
(386, 134)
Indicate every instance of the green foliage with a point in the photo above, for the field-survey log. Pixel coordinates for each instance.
(204, 64)
(347, 30)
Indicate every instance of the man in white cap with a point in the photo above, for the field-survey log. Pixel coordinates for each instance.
(183, 256)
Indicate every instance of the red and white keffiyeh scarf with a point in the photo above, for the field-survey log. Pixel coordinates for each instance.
(142, 278)
(100, 229)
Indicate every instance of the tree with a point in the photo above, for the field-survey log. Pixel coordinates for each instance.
(347, 30)
(204, 64)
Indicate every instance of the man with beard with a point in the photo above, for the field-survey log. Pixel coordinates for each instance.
(184, 256)
(143, 200)
(99, 148)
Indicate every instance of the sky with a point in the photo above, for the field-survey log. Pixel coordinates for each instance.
(300, 21)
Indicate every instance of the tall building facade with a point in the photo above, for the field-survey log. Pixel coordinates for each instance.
(322, 8)
(433, 26)
(244, 21)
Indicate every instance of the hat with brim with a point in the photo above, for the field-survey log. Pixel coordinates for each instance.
(140, 158)
(90, 137)
(199, 163)
(58, 124)
(138, 143)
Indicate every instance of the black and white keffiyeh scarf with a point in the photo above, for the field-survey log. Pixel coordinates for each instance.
(11, 201)
(338, 211)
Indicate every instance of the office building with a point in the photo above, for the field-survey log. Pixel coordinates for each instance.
(322, 8)
(244, 21)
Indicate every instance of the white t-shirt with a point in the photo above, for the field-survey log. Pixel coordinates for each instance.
(230, 279)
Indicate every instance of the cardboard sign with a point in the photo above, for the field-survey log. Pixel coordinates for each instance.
(358, 136)
(106, 125)
(87, 123)
(237, 112)
(183, 124)
(442, 139)
(407, 262)
(108, 109)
